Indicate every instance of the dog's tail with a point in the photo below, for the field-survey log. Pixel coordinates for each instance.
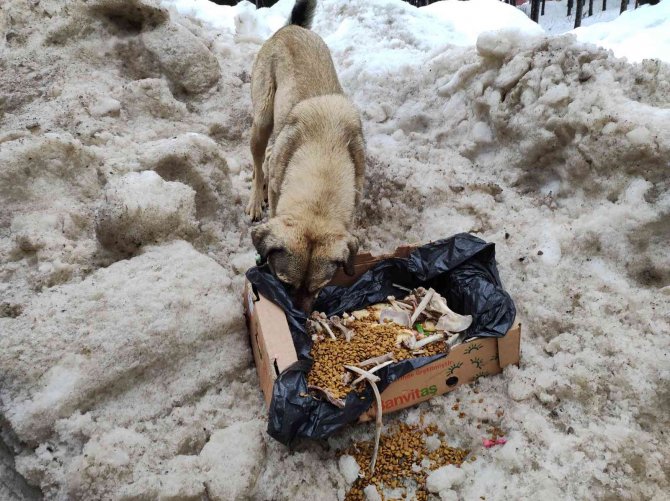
(303, 13)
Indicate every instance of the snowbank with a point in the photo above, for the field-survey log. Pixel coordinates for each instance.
(243, 19)
(643, 33)
(127, 375)
(474, 17)
(637, 34)
(141, 209)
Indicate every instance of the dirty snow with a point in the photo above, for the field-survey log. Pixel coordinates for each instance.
(126, 372)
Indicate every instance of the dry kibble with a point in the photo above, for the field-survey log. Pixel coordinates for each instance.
(370, 339)
(401, 460)
(495, 432)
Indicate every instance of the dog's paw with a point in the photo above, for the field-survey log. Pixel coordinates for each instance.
(255, 208)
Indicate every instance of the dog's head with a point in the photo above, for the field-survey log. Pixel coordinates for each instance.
(304, 258)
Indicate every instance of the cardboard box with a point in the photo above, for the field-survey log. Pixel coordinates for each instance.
(273, 350)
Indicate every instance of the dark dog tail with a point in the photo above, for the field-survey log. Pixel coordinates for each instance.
(303, 13)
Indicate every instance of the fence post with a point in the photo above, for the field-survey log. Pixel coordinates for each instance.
(578, 13)
(535, 10)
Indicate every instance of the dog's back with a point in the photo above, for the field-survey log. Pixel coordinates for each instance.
(300, 62)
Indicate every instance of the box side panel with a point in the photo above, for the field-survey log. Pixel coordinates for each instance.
(263, 366)
(271, 340)
(275, 333)
(465, 363)
(509, 346)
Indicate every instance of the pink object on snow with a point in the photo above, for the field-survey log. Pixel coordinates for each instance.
(488, 443)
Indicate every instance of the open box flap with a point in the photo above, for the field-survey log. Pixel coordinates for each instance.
(461, 268)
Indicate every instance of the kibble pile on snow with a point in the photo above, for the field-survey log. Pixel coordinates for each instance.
(125, 372)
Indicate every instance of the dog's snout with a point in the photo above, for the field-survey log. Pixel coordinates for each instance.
(304, 300)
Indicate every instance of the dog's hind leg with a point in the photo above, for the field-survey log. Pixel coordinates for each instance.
(262, 92)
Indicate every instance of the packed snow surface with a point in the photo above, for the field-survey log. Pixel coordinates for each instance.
(555, 19)
(637, 34)
(643, 33)
(125, 368)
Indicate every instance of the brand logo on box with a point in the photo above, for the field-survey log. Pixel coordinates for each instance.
(409, 396)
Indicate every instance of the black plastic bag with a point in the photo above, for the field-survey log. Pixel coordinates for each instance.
(461, 268)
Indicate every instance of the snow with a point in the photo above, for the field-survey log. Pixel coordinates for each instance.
(126, 369)
(141, 208)
(445, 478)
(243, 19)
(636, 34)
(371, 493)
(643, 33)
(349, 468)
(476, 16)
(232, 457)
(556, 21)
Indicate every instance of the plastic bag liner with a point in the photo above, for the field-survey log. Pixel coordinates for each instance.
(461, 268)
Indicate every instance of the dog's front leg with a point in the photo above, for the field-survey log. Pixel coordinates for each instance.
(266, 172)
(284, 147)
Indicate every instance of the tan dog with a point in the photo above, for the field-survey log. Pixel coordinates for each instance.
(313, 176)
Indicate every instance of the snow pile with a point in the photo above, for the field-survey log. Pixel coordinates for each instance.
(637, 34)
(243, 19)
(444, 478)
(349, 468)
(643, 33)
(150, 330)
(126, 369)
(474, 17)
(556, 21)
(48, 186)
(141, 208)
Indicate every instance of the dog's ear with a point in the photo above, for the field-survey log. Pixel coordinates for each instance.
(350, 259)
(264, 240)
